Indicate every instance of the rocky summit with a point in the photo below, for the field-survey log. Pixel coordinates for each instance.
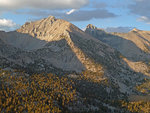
(105, 69)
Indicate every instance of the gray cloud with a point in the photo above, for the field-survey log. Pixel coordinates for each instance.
(96, 4)
(7, 25)
(119, 29)
(85, 15)
(40, 13)
(141, 8)
(8, 5)
(44, 8)
(144, 19)
(79, 15)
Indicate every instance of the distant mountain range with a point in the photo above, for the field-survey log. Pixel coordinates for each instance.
(134, 46)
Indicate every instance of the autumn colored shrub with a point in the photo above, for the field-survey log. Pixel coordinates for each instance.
(36, 93)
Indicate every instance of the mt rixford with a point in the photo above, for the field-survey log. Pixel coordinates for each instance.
(56, 46)
(61, 44)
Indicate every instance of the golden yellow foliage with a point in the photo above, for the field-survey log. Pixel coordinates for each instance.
(36, 93)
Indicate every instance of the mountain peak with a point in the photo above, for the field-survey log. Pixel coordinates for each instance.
(46, 29)
(90, 26)
(135, 30)
(51, 17)
(91, 29)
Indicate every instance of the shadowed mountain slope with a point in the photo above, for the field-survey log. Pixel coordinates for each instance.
(135, 46)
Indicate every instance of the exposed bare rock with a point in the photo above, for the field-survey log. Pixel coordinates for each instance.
(91, 29)
(90, 26)
(140, 38)
(52, 29)
(134, 45)
(139, 67)
(55, 45)
(22, 41)
(48, 29)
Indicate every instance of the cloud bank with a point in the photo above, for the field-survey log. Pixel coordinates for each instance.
(6, 5)
(73, 15)
(85, 15)
(144, 19)
(141, 8)
(7, 25)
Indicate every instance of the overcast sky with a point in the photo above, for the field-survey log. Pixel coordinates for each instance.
(115, 15)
